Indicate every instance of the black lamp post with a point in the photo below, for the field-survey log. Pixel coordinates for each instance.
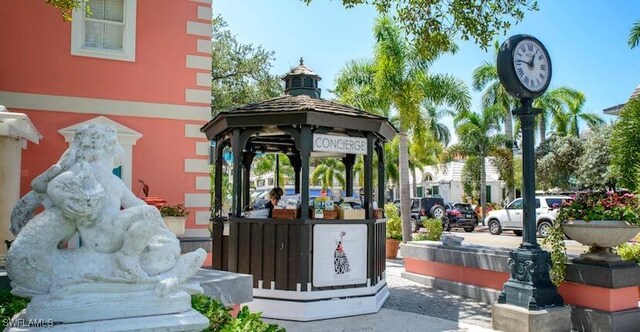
(524, 69)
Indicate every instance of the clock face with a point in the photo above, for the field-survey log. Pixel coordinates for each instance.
(531, 64)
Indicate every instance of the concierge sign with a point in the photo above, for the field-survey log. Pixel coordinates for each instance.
(341, 144)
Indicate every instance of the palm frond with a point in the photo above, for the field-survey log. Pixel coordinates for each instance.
(634, 35)
(484, 75)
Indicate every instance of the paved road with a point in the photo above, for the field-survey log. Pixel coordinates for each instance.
(507, 239)
(411, 307)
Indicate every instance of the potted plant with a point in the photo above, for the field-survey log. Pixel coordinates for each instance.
(600, 220)
(174, 217)
(394, 230)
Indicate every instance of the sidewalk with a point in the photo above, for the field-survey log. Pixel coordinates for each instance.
(410, 307)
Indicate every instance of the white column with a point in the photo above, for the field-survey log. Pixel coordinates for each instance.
(15, 130)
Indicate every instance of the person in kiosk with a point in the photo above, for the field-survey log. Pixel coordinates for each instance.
(274, 197)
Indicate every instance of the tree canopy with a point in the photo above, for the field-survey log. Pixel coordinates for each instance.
(434, 24)
(594, 166)
(240, 72)
(558, 159)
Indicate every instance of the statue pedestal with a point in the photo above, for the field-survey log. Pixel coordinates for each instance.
(187, 321)
(94, 306)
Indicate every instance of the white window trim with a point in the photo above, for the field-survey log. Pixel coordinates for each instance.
(128, 52)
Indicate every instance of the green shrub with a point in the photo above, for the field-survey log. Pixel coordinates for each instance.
(217, 314)
(434, 228)
(420, 236)
(221, 320)
(629, 252)
(10, 305)
(394, 224)
(173, 211)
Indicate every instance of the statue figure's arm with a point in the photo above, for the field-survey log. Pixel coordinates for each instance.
(39, 184)
(128, 199)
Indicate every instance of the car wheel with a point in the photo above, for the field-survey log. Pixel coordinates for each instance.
(469, 229)
(415, 226)
(437, 212)
(494, 227)
(517, 233)
(446, 224)
(544, 228)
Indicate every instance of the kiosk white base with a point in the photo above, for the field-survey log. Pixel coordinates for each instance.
(315, 305)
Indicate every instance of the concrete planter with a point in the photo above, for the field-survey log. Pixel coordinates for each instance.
(175, 225)
(601, 235)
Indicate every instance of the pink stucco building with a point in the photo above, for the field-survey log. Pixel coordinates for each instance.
(143, 66)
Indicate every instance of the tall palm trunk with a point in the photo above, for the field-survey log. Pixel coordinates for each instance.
(405, 209)
(508, 131)
(543, 128)
(483, 187)
(414, 184)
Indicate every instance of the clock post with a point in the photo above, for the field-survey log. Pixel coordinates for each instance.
(529, 286)
(524, 68)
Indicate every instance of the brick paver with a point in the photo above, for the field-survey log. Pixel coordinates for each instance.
(409, 296)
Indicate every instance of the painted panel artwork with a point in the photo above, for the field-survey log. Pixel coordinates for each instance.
(339, 255)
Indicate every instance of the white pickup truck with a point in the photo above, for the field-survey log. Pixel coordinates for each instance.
(510, 218)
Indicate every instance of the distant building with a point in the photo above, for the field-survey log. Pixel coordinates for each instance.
(446, 180)
(615, 110)
(143, 66)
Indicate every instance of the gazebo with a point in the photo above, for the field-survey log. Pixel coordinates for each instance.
(292, 260)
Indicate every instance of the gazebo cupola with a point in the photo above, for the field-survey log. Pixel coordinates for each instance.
(301, 80)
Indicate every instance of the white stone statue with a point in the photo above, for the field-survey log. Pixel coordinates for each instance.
(129, 262)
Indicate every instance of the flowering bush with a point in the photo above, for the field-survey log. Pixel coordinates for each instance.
(601, 206)
(173, 211)
(588, 206)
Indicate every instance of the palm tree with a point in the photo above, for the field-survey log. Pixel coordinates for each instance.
(267, 163)
(634, 36)
(431, 115)
(485, 78)
(625, 147)
(399, 76)
(327, 170)
(355, 86)
(479, 135)
(552, 103)
(576, 113)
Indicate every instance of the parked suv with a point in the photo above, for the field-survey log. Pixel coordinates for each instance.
(429, 207)
(511, 217)
(460, 215)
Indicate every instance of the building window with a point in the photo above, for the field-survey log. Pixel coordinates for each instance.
(435, 191)
(109, 32)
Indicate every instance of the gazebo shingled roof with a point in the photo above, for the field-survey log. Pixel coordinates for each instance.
(301, 69)
(299, 110)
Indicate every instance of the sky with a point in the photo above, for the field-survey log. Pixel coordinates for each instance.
(586, 40)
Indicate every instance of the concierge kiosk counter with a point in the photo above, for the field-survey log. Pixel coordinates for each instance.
(304, 268)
